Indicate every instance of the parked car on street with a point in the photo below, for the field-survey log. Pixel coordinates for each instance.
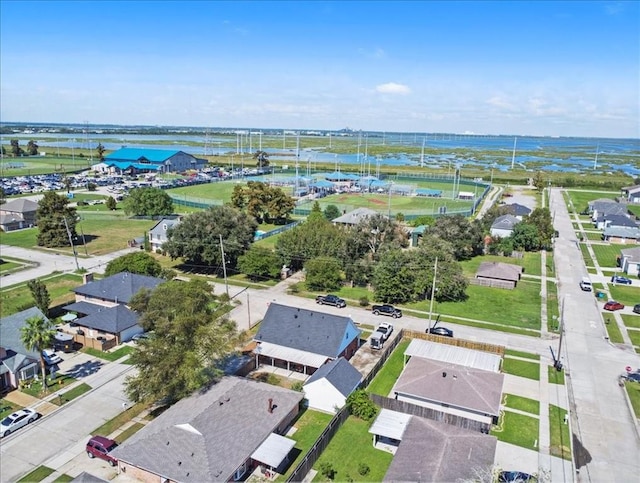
(585, 284)
(632, 376)
(443, 331)
(621, 280)
(50, 357)
(331, 300)
(612, 305)
(636, 309)
(388, 310)
(385, 329)
(100, 447)
(17, 420)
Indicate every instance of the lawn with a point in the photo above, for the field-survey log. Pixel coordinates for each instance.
(130, 431)
(560, 437)
(350, 448)
(72, 393)
(390, 371)
(581, 199)
(8, 267)
(39, 474)
(524, 355)
(64, 478)
(117, 422)
(626, 294)
(521, 403)
(631, 320)
(7, 408)
(531, 263)
(586, 256)
(555, 376)
(516, 367)
(517, 429)
(606, 255)
(634, 335)
(309, 426)
(53, 385)
(613, 331)
(633, 390)
(553, 311)
(110, 356)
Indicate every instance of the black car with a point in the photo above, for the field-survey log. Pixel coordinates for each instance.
(516, 477)
(331, 300)
(443, 331)
(636, 309)
(388, 310)
(621, 280)
(632, 376)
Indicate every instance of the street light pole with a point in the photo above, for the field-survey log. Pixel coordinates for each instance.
(433, 291)
(224, 267)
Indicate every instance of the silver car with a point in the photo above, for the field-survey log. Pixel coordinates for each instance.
(16, 420)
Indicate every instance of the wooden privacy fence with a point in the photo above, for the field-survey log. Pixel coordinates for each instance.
(492, 282)
(429, 413)
(468, 344)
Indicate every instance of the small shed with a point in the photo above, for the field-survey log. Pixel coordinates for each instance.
(328, 388)
(506, 274)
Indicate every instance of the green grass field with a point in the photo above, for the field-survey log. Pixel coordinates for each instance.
(516, 367)
(559, 432)
(16, 298)
(581, 199)
(606, 254)
(521, 403)
(388, 375)
(517, 429)
(525, 355)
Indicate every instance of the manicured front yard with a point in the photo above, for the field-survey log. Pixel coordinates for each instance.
(130, 431)
(39, 474)
(633, 390)
(521, 403)
(606, 254)
(516, 367)
(388, 375)
(560, 437)
(110, 356)
(73, 393)
(555, 376)
(613, 331)
(118, 421)
(54, 384)
(525, 355)
(517, 429)
(7, 408)
(350, 448)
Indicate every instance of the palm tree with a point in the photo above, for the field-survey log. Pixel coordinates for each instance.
(37, 335)
(262, 159)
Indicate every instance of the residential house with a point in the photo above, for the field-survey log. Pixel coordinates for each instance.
(621, 234)
(518, 210)
(134, 161)
(303, 340)
(630, 261)
(219, 434)
(107, 318)
(631, 194)
(606, 207)
(354, 217)
(416, 234)
(605, 221)
(503, 225)
(158, 234)
(17, 214)
(432, 450)
(329, 387)
(498, 271)
(17, 363)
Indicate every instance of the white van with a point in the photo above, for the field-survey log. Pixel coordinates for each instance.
(585, 284)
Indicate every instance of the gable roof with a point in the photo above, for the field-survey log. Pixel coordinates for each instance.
(206, 436)
(505, 222)
(454, 453)
(169, 222)
(340, 374)
(19, 205)
(109, 319)
(631, 253)
(137, 154)
(622, 232)
(356, 216)
(306, 330)
(463, 387)
(119, 288)
(616, 220)
(612, 209)
(10, 332)
(517, 209)
(499, 270)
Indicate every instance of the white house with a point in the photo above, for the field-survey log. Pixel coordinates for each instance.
(328, 388)
(503, 225)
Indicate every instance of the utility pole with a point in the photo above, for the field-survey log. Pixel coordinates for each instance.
(433, 291)
(558, 364)
(248, 310)
(75, 254)
(224, 267)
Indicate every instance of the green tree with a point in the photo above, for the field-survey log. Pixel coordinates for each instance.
(40, 295)
(262, 159)
(538, 180)
(36, 335)
(423, 220)
(148, 202)
(53, 217)
(525, 237)
(260, 263)
(32, 148)
(111, 203)
(541, 219)
(331, 212)
(139, 262)
(191, 336)
(361, 406)
(466, 238)
(16, 150)
(100, 150)
(323, 273)
(262, 201)
(197, 238)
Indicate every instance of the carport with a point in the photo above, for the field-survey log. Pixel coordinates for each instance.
(388, 429)
(274, 451)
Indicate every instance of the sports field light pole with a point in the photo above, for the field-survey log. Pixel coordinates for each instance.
(390, 186)
(433, 292)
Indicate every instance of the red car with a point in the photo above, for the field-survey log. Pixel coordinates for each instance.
(99, 446)
(613, 305)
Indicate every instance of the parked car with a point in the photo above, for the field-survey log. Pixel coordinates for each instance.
(613, 305)
(385, 329)
(636, 309)
(17, 420)
(331, 300)
(516, 477)
(620, 279)
(632, 376)
(50, 357)
(585, 284)
(443, 331)
(388, 310)
(100, 447)
(138, 337)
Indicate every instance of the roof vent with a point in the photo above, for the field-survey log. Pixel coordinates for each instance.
(179, 463)
(167, 443)
(444, 374)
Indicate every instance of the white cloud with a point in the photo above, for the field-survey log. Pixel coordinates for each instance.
(393, 88)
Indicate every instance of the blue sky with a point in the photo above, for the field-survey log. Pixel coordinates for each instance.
(526, 68)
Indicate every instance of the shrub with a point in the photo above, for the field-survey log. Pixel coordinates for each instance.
(363, 469)
(297, 386)
(361, 406)
(364, 301)
(327, 470)
(81, 203)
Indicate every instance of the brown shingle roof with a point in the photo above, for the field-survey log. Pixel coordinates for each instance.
(499, 271)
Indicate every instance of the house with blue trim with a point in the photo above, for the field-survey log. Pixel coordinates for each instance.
(136, 161)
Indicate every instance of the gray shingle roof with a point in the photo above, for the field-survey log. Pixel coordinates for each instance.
(622, 232)
(119, 288)
(505, 222)
(207, 436)
(356, 216)
(517, 209)
(631, 253)
(109, 319)
(499, 270)
(435, 451)
(342, 375)
(19, 205)
(10, 331)
(306, 330)
(616, 220)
